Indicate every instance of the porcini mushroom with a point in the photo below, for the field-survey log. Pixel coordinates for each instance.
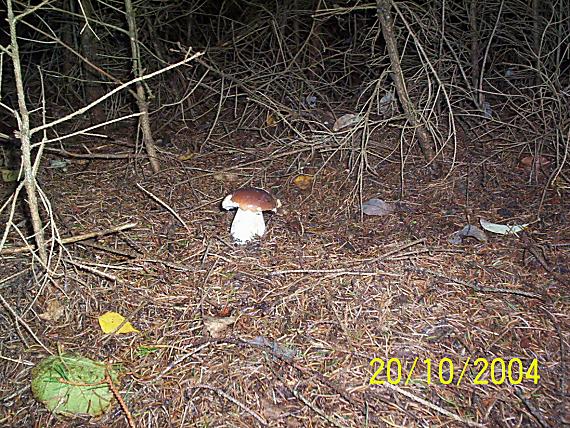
(250, 203)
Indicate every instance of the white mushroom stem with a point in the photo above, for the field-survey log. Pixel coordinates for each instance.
(247, 225)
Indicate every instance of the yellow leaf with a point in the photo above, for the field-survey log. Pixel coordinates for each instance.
(303, 182)
(186, 156)
(270, 121)
(109, 322)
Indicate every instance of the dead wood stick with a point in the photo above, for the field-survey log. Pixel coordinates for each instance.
(533, 249)
(97, 234)
(474, 287)
(334, 271)
(129, 254)
(107, 156)
(432, 406)
(401, 248)
(165, 205)
(234, 400)
(72, 239)
(19, 320)
(94, 271)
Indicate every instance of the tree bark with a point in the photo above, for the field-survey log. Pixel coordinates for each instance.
(141, 96)
(424, 140)
(30, 183)
(475, 47)
(536, 39)
(93, 88)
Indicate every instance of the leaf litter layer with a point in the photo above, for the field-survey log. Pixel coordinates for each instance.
(322, 294)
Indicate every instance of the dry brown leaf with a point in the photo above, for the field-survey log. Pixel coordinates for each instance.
(225, 312)
(229, 177)
(216, 326)
(378, 207)
(345, 120)
(270, 121)
(54, 311)
(538, 162)
(272, 411)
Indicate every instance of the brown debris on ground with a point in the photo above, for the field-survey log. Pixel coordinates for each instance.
(313, 303)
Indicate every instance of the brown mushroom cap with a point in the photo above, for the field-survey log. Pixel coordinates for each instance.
(254, 199)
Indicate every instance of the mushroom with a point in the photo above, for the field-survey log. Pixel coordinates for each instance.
(250, 203)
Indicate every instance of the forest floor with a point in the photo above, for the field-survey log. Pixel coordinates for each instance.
(300, 328)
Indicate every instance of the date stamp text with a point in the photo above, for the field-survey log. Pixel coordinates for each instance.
(479, 371)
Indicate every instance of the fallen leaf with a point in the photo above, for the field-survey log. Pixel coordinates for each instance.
(145, 350)
(216, 326)
(303, 181)
(270, 121)
(502, 229)
(110, 321)
(230, 177)
(310, 101)
(468, 231)
(538, 162)
(9, 175)
(346, 120)
(71, 384)
(376, 206)
(59, 164)
(54, 311)
(385, 102)
(272, 411)
(281, 350)
(225, 312)
(186, 156)
(525, 342)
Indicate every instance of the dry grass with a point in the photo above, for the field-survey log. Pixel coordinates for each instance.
(333, 290)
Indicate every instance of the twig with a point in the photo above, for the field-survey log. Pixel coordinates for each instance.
(106, 156)
(315, 409)
(400, 248)
(531, 408)
(119, 398)
(129, 254)
(475, 287)
(433, 406)
(105, 275)
(90, 128)
(532, 249)
(23, 323)
(97, 234)
(279, 356)
(170, 264)
(335, 271)
(165, 205)
(11, 277)
(228, 397)
(73, 239)
(112, 92)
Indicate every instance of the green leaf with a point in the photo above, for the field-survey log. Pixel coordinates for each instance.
(9, 175)
(71, 384)
(143, 350)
